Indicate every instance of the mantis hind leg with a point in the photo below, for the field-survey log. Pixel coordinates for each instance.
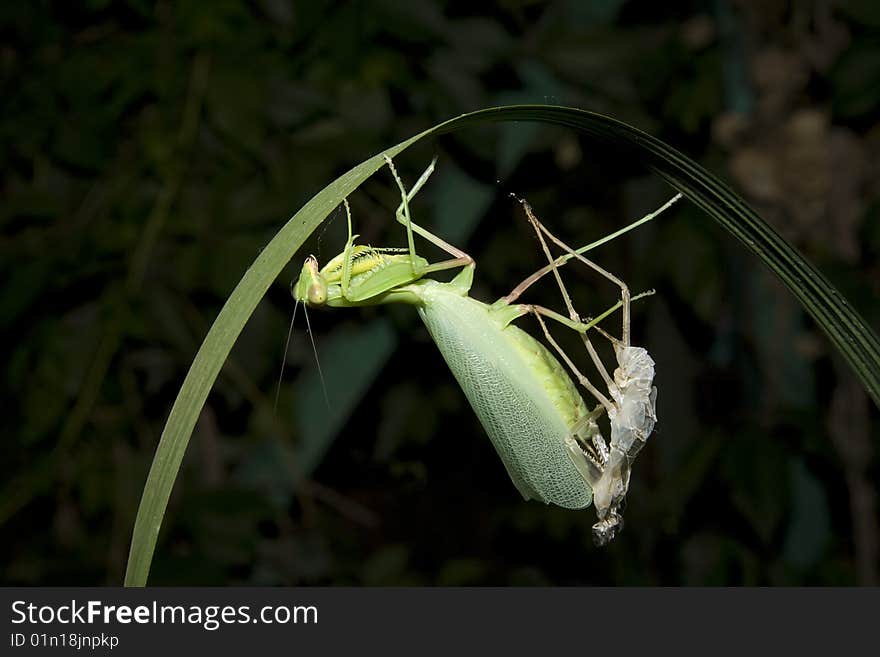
(580, 327)
(572, 313)
(542, 230)
(459, 259)
(569, 255)
(540, 313)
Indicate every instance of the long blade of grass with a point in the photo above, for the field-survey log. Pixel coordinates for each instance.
(843, 325)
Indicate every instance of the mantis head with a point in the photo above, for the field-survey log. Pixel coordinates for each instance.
(311, 286)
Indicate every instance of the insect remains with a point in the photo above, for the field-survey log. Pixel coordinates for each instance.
(546, 436)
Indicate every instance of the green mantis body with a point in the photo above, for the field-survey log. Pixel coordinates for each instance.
(521, 394)
(547, 438)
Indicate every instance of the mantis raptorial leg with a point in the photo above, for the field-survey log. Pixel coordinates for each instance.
(361, 275)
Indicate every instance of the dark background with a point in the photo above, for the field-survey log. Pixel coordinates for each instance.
(149, 150)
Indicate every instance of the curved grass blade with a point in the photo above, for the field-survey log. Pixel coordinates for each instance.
(843, 325)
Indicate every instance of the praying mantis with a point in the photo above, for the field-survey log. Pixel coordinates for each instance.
(546, 436)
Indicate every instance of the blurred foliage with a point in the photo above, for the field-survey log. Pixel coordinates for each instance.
(149, 150)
